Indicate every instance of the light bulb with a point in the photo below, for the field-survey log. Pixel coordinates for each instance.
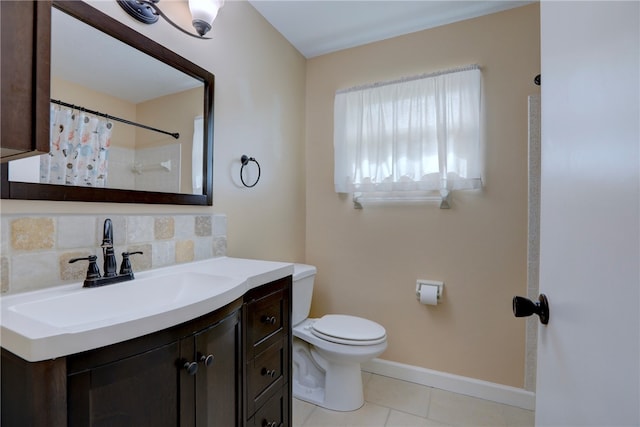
(203, 12)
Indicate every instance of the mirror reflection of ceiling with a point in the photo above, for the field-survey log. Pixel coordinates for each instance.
(107, 65)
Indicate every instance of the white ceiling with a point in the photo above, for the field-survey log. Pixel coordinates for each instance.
(314, 27)
(317, 27)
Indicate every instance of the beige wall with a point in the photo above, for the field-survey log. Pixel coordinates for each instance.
(259, 111)
(72, 93)
(368, 260)
(179, 109)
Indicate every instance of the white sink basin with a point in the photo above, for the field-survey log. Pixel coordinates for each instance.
(126, 300)
(63, 320)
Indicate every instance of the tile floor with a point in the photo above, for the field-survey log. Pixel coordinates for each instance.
(390, 402)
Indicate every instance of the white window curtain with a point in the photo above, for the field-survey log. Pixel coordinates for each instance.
(419, 135)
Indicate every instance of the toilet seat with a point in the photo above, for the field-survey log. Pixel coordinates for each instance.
(349, 330)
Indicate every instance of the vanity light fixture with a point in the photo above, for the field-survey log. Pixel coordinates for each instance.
(203, 12)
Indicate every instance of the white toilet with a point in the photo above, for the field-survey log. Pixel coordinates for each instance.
(327, 352)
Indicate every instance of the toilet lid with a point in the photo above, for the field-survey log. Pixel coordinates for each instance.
(350, 330)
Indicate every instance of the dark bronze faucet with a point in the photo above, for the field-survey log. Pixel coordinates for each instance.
(93, 278)
(110, 265)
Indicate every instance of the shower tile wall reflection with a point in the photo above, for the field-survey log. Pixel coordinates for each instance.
(158, 168)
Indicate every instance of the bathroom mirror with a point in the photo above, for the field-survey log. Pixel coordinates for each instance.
(145, 109)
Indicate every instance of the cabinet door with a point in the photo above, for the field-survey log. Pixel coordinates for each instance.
(217, 381)
(26, 31)
(137, 391)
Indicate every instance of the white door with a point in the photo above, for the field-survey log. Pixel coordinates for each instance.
(588, 354)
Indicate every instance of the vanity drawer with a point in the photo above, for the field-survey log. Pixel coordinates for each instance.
(266, 372)
(266, 317)
(267, 354)
(274, 413)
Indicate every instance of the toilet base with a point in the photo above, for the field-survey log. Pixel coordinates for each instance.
(308, 394)
(336, 399)
(332, 385)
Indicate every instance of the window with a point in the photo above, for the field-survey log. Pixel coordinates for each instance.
(415, 136)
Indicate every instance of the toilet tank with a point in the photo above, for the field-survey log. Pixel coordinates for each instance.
(302, 291)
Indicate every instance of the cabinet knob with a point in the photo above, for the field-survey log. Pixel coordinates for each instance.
(207, 360)
(269, 320)
(266, 423)
(190, 367)
(268, 372)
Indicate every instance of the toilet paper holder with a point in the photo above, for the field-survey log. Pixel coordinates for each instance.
(420, 283)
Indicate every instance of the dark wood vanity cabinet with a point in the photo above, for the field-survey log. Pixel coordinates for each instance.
(187, 375)
(267, 351)
(228, 368)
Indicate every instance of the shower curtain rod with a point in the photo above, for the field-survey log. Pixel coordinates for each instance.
(176, 135)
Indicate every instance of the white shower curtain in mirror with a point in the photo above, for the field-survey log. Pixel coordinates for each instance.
(415, 134)
(79, 149)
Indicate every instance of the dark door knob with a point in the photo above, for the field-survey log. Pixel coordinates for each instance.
(523, 307)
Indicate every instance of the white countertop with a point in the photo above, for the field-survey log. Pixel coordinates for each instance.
(63, 320)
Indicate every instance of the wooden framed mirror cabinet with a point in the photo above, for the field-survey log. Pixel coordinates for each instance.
(36, 69)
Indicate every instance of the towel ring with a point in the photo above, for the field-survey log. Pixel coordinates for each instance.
(245, 161)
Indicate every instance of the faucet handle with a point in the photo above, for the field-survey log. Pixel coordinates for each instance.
(93, 272)
(125, 267)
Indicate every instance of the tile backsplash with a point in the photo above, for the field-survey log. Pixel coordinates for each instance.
(36, 250)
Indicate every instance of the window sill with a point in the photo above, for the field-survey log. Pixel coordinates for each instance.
(361, 199)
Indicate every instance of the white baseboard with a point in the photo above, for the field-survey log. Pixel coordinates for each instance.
(455, 383)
